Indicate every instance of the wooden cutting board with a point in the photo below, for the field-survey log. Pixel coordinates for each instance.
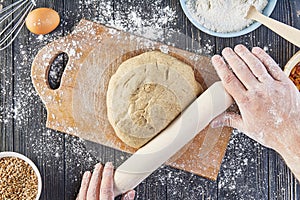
(78, 106)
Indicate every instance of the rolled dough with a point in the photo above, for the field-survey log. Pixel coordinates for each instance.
(146, 93)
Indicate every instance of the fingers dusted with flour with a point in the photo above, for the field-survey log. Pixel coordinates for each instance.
(129, 195)
(273, 69)
(254, 64)
(231, 83)
(99, 185)
(228, 119)
(94, 188)
(240, 68)
(84, 186)
(107, 184)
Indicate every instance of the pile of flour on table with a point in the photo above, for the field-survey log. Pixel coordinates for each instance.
(223, 15)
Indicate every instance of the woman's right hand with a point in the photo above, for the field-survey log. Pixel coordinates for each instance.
(268, 101)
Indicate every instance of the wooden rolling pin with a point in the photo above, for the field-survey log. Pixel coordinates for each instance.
(195, 118)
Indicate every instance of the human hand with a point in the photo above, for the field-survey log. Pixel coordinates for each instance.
(99, 185)
(268, 101)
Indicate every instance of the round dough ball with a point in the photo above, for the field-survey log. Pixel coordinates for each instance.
(146, 94)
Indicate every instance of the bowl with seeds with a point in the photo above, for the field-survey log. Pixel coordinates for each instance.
(19, 177)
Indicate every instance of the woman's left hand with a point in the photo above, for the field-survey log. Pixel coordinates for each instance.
(99, 184)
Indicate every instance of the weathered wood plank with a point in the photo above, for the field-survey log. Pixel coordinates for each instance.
(6, 91)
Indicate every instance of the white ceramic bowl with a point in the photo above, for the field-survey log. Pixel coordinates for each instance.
(35, 169)
(267, 11)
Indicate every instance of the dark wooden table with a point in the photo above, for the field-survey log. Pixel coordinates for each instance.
(249, 171)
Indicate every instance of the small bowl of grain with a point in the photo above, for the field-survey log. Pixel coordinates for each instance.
(19, 177)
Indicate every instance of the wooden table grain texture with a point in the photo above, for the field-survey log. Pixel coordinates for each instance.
(248, 171)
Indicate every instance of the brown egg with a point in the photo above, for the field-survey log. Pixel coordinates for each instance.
(42, 20)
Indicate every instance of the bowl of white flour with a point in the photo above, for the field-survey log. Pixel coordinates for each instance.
(225, 18)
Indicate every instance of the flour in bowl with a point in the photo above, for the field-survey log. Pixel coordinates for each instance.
(223, 15)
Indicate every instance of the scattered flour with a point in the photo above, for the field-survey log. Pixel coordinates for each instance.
(266, 48)
(134, 19)
(223, 15)
(66, 155)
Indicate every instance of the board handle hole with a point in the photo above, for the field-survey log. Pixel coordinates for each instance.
(56, 70)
